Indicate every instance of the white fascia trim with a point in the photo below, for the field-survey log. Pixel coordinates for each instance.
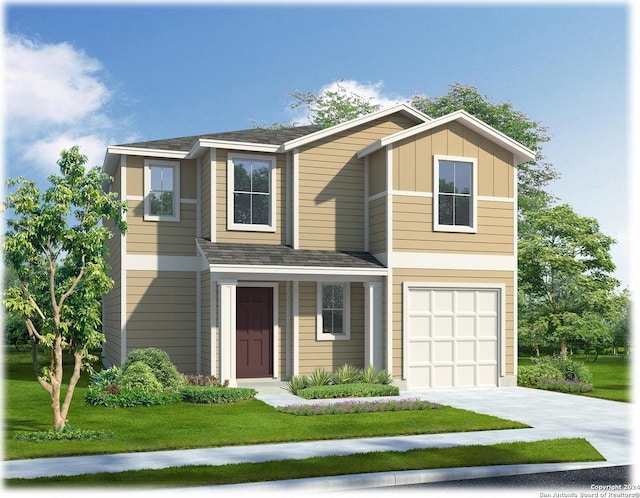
(366, 205)
(318, 272)
(412, 193)
(453, 261)
(228, 144)
(154, 262)
(296, 199)
(404, 108)
(521, 153)
(135, 151)
(213, 223)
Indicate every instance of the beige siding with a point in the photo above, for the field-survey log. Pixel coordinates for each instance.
(111, 301)
(161, 237)
(331, 184)
(378, 172)
(452, 276)
(378, 225)
(205, 192)
(205, 325)
(413, 228)
(161, 313)
(413, 160)
(329, 355)
(224, 235)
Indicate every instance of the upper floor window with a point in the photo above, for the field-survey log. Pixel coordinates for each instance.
(251, 193)
(333, 311)
(455, 198)
(161, 190)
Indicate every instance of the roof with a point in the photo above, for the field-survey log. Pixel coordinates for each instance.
(521, 153)
(269, 255)
(268, 136)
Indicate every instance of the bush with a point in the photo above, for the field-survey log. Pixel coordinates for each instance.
(126, 398)
(570, 369)
(348, 390)
(532, 375)
(211, 394)
(295, 384)
(347, 374)
(358, 407)
(139, 376)
(203, 380)
(565, 386)
(319, 378)
(165, 372)
(63, 435)
(104, 378)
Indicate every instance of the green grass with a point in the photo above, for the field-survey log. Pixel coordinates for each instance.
(183, 425)
(611, 376)
(549, 451)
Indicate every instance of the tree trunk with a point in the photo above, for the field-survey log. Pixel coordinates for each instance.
(563, 346)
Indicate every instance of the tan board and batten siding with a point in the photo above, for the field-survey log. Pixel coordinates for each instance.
(331, 180)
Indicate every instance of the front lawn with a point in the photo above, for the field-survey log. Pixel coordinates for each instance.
(611, 376)
(184, 425)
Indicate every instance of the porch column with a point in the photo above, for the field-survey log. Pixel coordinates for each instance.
(227, 293)
(373, 324)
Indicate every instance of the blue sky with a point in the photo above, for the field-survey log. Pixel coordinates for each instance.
(118, 73)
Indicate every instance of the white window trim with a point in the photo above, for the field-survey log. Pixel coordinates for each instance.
(437, 227)
(147, 189)
(231, 225)
(346, 324)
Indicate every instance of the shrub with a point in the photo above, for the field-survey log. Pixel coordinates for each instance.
(532, 375)
(357, 407)
(202, 380)
(565, 386)
(570, 369)
(319, 377)
(295, 384)
(104, 378)
(165, 372)
(347, 374)
(211, 394)
(63, 435)
(127, 398)
(372, 375)
(348, 390)
(139, 376)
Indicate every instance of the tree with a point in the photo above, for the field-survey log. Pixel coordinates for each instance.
(332, 107)
(534, 176)
(621, 322)
(564, 270)
(56, 244)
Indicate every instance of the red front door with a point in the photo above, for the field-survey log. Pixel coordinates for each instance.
(254, 332)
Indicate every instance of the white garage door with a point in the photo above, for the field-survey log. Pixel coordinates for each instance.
(452, 337)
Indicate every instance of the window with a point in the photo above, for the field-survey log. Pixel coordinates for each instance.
(454, 203)
(161, 190)
(251, 193)
(333, 311)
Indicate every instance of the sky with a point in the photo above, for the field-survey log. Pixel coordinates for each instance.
(118, 72)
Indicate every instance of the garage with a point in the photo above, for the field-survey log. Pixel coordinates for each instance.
(451, 336)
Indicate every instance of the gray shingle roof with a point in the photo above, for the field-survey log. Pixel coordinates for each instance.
(253, 135)
(276, 255)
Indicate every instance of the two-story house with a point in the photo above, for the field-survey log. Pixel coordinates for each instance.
(388, 240)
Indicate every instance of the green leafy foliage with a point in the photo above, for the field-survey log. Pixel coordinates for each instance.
(565, 386)
(66, 434)
(127, 398)
(390, 405)
(533, 375)
(139, 376)
(569, 368)
(212, 394)
(296, 383)
(348, 390)
(55, 245)
(347, 374)
(160, 364)
(319, 377)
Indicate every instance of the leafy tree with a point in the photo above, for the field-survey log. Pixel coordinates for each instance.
(621, 322)
(564, 270)
(534, 176)
(332, 107)
(55, 243)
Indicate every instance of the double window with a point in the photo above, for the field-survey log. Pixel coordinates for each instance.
(454, 203)
(161, 190)
(333, 311)
(251, 193)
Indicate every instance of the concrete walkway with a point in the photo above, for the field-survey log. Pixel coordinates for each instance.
(605, 424)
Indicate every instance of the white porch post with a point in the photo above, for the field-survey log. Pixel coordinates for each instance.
(228, 331)
(373, 324)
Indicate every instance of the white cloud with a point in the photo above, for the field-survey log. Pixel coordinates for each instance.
(55, 97)
(374, 92)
